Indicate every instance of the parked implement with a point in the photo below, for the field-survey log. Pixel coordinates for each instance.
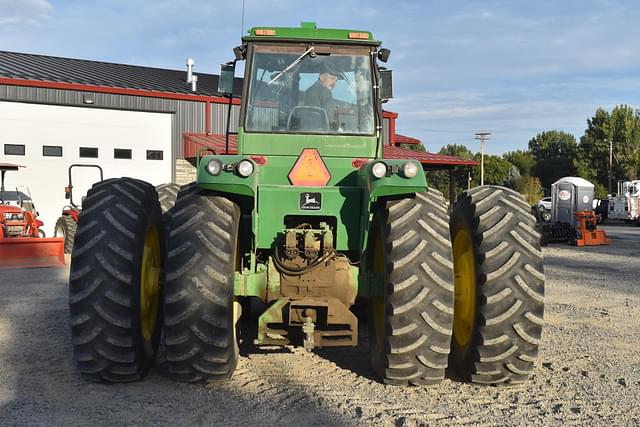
(22, 243)
(305, 221)
(67, 223)
(573, 219)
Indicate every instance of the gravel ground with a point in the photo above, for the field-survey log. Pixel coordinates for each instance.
(588, 372)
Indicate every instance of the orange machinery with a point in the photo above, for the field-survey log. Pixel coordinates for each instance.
(20, 244)
(588, 234)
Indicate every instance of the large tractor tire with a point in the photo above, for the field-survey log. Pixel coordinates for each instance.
(499, 286)
(410, 325)
(167, 194)
(200, 311)
(115, 281)
(66, 228)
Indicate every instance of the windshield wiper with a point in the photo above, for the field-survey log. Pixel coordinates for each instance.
(290, 66)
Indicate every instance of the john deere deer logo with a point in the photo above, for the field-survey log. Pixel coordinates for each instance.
(310, 201)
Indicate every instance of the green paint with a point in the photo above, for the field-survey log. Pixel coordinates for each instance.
(309, 31)
(228, 181)
(248, 284)
(273, 314)
(281, 144)
(370, 285)
(338, 203)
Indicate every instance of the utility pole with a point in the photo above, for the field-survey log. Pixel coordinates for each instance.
(610, 163)
(482, 137)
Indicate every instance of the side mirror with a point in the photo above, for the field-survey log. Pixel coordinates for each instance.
(240, 52)
(383, 54)
(225, 81)
(386, 85)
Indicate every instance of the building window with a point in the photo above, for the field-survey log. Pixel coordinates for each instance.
(52, 151)
(14, 149)
(121, 153)
(89, 152)
(154, 154)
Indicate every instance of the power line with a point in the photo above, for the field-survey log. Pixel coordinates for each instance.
(482, 136)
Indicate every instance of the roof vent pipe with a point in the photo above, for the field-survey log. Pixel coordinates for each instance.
(190, 64)
(194, 83)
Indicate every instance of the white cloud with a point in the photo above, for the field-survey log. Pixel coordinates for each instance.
(24, 12)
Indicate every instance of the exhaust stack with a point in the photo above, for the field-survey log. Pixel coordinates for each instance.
(190, 64)
(194, 83)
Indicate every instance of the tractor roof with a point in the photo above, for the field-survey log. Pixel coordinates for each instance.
(308, 31)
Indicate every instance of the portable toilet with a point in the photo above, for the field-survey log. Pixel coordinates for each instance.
(568, 196)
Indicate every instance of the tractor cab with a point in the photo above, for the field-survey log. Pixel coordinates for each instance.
(310, 87)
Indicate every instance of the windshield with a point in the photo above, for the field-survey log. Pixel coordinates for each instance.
(15, 196)
(298, 89)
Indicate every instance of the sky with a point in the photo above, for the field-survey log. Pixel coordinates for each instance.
(514, 68)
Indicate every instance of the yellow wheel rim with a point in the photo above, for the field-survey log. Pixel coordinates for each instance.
(464, 266)
(150, 283)
(377, 303)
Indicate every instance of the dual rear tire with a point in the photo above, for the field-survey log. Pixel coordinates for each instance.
(119, 294)
(499, 287)
(410, 323)
(471, 284)
(115, 281)
(199, 307)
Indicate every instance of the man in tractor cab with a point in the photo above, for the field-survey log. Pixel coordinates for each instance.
(319, 94)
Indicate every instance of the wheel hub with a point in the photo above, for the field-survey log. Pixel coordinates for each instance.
(150, 283)
(464, 285)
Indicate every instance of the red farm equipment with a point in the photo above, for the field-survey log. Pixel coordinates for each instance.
(22, 242)
(67, 222)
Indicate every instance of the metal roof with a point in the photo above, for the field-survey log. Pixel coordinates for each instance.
(217, 144)
(95, 73)
(403, 139)
(424, 157)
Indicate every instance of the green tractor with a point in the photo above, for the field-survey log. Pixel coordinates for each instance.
(306, 223)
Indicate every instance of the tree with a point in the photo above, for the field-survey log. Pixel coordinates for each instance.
(496, 170)
(621, 129)
(523, 160)
(530, 188)
(440, 179)
(592, 161)
(554, 153)
(625, 132)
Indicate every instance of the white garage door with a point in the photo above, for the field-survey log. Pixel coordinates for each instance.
(47, 139)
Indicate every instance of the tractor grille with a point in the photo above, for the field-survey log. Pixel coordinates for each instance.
(15, 230)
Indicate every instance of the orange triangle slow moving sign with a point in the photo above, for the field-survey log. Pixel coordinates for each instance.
(309, 170)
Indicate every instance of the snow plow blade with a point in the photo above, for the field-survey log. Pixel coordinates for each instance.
(31, 252)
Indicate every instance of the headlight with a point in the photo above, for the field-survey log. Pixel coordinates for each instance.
(12, 216)
(409, 169)
(379, 169)
(214, 167)
(245, 168)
